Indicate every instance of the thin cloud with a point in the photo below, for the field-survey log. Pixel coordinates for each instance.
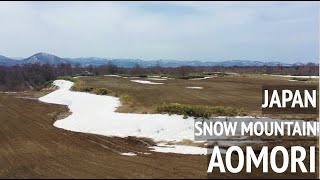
(282, 31)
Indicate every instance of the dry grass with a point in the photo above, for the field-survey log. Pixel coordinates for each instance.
(198, 111)
(31, 147)
(234, 91)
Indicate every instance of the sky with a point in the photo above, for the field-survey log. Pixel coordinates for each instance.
(204, 31)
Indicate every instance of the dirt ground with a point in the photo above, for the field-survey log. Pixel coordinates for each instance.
(31, 147)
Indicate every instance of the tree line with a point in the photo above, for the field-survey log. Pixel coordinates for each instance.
(36, 76)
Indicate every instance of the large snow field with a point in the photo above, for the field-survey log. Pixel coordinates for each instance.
(96, 114)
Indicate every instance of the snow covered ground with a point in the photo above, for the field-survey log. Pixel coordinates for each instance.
(194, 87)
(111, 75)
(158, 79)
(145, 82)
(289, 76)
(96, 114)
(179, 149)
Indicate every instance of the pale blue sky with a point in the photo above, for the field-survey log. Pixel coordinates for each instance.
(207, 31)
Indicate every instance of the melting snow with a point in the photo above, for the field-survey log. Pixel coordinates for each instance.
(289, 76)
(96, 114)
(179, 149)
(194, 87)
(158, 79)
(128, 154)
(111, 75)
(145, 82)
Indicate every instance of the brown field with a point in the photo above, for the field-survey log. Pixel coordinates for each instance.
(238, 91)
(31, 147)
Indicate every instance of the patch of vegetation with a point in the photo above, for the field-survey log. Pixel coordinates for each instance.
(81, 87)
(191, 77)
(215, 73)
(142, 76)
(300, 79)
(129, 75)
(183, 77)
(78, 86)
(102, 91)
(198, 111)
(48, 84)
(126, 99)
(87, 89)
(67, 78)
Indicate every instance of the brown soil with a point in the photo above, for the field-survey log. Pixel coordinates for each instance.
(31, 147)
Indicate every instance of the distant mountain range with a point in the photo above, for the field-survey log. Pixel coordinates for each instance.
(44, 58)
(39, 58)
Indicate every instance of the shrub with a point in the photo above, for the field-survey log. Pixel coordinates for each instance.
(126, 99)
(67, 78)
(80, 86)
(197, 111)
(300, 79)
(191, 77)
(87, 89)
(102, 91)
(48, 84)
(142, 76)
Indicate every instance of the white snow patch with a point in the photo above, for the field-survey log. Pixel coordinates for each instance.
(179, 149)
(158, 79)
(194, 87)
(145, 82)
(128, 154)
(76, 77)
(10, 92)
(111, 75)
(289, 76)
(163, 77)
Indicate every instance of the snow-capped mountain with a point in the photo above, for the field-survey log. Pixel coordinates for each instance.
(44, 58)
